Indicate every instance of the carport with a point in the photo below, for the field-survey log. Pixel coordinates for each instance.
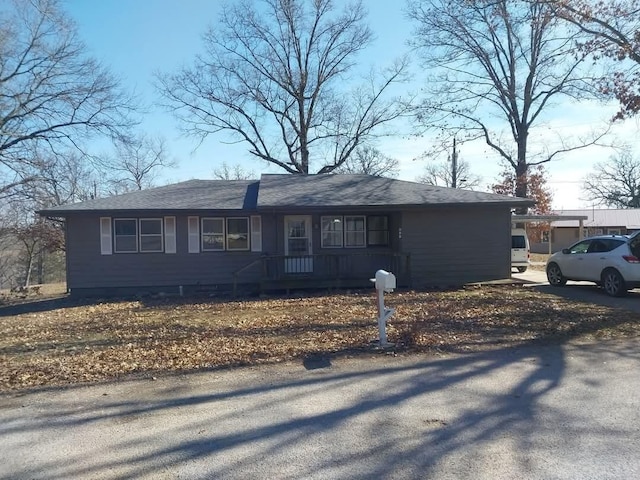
(516, 219)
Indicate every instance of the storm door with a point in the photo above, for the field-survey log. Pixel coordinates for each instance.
(297, 244)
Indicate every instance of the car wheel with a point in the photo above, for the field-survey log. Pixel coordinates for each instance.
(554, 275)
(522, 269)
(613, 283)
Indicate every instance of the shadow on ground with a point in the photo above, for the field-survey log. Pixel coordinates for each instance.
(591, 293)
(389, 422)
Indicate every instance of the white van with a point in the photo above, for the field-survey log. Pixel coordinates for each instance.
(519, 249)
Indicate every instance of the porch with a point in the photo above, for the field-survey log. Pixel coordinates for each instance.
(344, 270)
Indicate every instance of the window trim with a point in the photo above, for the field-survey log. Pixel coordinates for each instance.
(140, 234)
(226, 236)
(202, 235)
(115, 235)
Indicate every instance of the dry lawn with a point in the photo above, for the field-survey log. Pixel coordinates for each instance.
(539, 261)
(59, 342)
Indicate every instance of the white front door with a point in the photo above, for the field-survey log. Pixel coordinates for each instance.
(297, 244)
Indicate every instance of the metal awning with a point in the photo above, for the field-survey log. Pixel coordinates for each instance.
(547, 218)
(551, 218)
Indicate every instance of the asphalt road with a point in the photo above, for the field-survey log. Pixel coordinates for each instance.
(536, 412)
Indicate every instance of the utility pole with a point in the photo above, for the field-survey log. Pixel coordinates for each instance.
(454, 166)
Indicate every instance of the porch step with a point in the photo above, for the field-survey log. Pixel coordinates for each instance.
(309, 281)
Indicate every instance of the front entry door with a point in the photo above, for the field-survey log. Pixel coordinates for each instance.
(297, 244)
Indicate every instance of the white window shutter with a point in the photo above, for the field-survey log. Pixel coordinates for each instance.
(256, 233)
(106, 244)
(194, 234)
(169, 234)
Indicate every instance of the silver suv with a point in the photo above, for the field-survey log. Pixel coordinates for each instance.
(611, 261)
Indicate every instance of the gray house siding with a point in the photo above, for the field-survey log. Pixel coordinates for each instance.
(90, 271)
(447, 246)
(436, 236)
(453, 246)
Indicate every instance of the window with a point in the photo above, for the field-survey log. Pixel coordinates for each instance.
(151, 235)
(212, 234)
(218, 234)
(518, 241)
(604, 245)
(133, 235)
(354, 232)
(378, 230)
(237, 234)
(581, 247)
(611, 244)
(331, 232)
(126, 235)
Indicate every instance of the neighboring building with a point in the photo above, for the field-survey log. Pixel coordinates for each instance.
(598, 222)
(286, 231)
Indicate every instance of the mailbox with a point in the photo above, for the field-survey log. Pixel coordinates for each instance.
(385, 281)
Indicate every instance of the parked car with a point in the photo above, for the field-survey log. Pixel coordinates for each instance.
(611, 261)
(519, 250)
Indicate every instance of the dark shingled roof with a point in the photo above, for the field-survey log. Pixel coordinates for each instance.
(286, 191)
(189, 195)
(365, 190)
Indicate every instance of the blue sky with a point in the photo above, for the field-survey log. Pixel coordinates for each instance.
(136, 38)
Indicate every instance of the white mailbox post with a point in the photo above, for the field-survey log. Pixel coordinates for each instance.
(384, 282)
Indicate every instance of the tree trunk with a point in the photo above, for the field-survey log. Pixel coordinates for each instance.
(27, 277)
(522, 169)
(40, 267)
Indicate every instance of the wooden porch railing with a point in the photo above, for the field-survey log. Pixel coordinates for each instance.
(325, 270)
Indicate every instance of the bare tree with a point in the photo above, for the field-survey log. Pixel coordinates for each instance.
(442, 174)
(616, 182)
(498, 66)
(371, 161)
(10, 268)
(30, 236)
(137, 162)
(65, 178)
(273, 76)
(235, 172)
(613, 39)
(52, 94)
